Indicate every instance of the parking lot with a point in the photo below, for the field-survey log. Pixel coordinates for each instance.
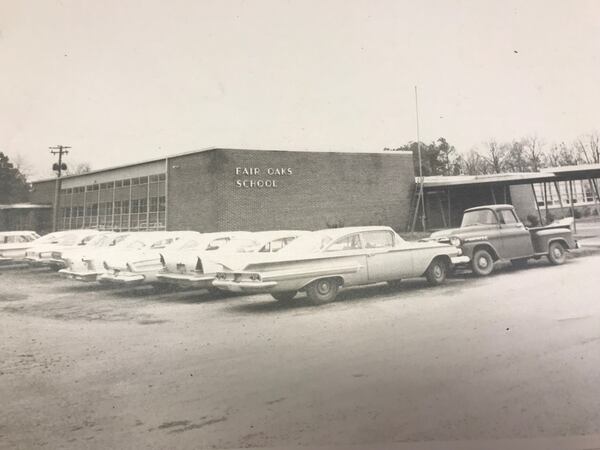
(512, 356)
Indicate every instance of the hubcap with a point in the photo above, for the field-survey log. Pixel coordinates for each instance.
(557, 252)
(437, 271)
(323, 287)
(483, 262)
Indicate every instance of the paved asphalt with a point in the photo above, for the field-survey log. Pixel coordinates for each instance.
(508, 361)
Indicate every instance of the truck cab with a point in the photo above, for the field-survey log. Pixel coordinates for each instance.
(492, 233)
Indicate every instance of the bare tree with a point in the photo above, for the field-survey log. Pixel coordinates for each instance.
(588, 148)
(560, 155)
(533, 152)
(79, 169)
(495, 155)
(472, 163)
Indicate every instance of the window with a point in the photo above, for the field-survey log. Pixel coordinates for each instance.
(126, 182)
(351, 242)
(135, 181)
(118, 183)
(162, 243)
(217, 243)
(162, 177)
(378, 239)
(135, 206)
(125, 207)
(479, 217)
(507, 216)
(276, 245)
(162, 204)
(143, 205)
(143, 180)
(153, 178)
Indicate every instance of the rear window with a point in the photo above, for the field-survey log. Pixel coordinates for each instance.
(479, 217)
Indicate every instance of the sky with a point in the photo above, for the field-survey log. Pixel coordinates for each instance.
(122, 81)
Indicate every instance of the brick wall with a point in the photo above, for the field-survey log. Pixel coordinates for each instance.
(306, 190)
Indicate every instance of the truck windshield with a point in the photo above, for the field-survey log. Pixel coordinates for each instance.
(479, 217)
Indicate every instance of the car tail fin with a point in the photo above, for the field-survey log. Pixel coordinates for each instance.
(199, 267)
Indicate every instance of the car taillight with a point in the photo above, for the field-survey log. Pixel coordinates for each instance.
(162, 260)
(199, 267)
(105, 265)
(128, 267)
(255, 277)
(220, 276)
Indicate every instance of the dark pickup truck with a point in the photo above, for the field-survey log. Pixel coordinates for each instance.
(492, 233)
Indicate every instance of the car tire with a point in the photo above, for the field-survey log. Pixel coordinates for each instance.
(284, 296)
(436, 272)
(520, 263)
(322, 291)
(395, 284)
(483, 263)
(556, 253)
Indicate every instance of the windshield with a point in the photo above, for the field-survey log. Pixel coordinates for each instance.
(52, 237)
(308, 243)
(479, 217)
(241, 246)
(101, 240)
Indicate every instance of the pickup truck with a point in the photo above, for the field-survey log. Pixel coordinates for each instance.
(492, 233)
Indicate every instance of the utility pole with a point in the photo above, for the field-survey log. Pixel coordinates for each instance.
(421, 179)
(59, 150)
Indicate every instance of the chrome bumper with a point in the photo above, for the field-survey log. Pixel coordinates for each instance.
(121, 278)
(245, 286)
(79, 276)
(187, 280)
(460, 260)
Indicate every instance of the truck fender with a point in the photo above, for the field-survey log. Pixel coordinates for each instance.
(562, 241)
(446, 259)
(486, 246)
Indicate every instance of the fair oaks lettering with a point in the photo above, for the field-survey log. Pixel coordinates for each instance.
(260, 177)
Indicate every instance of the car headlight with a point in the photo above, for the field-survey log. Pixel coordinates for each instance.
(456, 242)
(56, 255)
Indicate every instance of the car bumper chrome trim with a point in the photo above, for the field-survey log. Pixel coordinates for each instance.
(121, 278)
(79, 276)
(245, 286)
(460, 260)
(187, 280)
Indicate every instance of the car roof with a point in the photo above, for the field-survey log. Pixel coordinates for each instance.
(338, 232)
(16, 233)
(492, 207)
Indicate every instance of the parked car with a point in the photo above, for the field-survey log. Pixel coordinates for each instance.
(104, 239)
(198, 268)
(91, 264)
(45, 252)
(493, 233)
(323, 261)
(14, 244)
(142, 266)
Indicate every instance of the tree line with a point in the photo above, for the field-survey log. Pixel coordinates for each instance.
(527, 154)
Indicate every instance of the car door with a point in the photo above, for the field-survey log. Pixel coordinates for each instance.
(516, 239)
(387, 258)
(345, 252)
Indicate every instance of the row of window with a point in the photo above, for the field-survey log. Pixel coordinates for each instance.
(135, 206)
(582, 192)
(118, 222)
(116, 184)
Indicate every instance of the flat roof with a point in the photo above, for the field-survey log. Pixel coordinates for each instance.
(496, 178)
(207, 149)
(575, 171)
(25, 206)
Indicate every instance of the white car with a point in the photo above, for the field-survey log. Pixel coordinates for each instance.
(48, 247)
(199, 268)
(14, 244)
(90, 265)
(321, 262)
(104, 239)
(134, 266)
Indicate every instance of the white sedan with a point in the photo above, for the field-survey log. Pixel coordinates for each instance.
(198, 268)
(91, 265)
(131, 266)
(14, 244)
(321, 262)
(46, 251)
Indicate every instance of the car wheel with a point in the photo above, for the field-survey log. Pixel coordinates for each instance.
(323, 290)
(395, 284)
(556, 253)
(520, 263)
(482, 264)
(215, 292)
(284, 296)
(436, 272)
